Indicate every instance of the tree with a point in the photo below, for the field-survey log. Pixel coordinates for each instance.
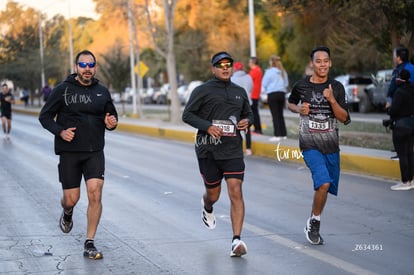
(115, 68)
(20, 54)
(168, 54)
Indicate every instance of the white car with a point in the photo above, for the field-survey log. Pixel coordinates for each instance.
(191, 86)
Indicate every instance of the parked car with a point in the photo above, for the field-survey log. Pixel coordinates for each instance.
(181, 91)
(191, 86)
(128, 95)
(263, 99)
(147, 96)
(355, 89)
(377, 91)
(160, 96)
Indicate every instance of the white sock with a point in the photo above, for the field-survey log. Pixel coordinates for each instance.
(318, 218)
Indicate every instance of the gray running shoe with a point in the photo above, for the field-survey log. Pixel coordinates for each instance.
(66, 224)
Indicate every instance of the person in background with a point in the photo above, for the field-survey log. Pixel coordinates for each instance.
(6, 101)
(402, 114)
(220, 110)
(46, 92)
(275, 83)
(256, 74)
(321, 103)
(25, 97)
(241, 78)
(401, 57)
(77, 113)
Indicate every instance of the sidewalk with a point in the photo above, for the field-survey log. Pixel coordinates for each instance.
(370, 162)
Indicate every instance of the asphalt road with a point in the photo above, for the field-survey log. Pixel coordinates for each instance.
(151, 219)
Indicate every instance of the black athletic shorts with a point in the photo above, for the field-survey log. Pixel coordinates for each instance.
(213, 170)
(72, 165)
(6, 114)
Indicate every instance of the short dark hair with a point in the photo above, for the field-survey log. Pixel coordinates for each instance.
(255, 60)
(4, 84)
(320, 49)
(402, 53)
(84, 52)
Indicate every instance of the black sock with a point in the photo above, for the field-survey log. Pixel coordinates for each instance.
(236, 237)
(89, 243)
(67, 215)
(208, 211)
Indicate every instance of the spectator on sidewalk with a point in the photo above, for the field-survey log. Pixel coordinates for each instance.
(25, 97)
(402, 117)
(257, 75)
(275, 83)
(401, 57)
(241, 78)
(46, 90)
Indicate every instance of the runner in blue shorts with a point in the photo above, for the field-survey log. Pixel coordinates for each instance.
(321, 103)
(220, 109)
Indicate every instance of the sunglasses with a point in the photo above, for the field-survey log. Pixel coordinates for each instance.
(86, 64)
(224, 65)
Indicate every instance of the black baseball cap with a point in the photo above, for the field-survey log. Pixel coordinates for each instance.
(220, 56)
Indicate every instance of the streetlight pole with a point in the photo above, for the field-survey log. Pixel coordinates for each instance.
(132, 61)
(252, 30)
(42, 70)
(70, 40)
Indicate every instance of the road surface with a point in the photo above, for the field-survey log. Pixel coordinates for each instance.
(151, 217)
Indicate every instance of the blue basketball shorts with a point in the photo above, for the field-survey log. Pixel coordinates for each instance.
(325, 168)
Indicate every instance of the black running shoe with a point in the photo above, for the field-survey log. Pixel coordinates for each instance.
(65, 221)
(312, 231)
(91, 252)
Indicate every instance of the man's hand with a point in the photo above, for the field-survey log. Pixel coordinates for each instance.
(328, 94)
(110, 121)
(243, 124)
(214, 131)
(304, 108)
(68, 134)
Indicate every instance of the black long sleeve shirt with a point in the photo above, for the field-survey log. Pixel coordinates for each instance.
(217, 100)
(73, 105)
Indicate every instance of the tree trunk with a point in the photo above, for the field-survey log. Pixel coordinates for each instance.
(169, 6)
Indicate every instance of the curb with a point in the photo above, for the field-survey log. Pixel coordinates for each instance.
(361, 164)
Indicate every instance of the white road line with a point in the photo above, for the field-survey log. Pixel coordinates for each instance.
(311, 252)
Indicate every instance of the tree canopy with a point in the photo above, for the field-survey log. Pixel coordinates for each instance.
(361, 35)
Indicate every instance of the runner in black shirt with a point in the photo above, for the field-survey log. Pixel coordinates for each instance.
(6, 100)
(220, 109)
(322, 104)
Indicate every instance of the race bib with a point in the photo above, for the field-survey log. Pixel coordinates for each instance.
(316, 125)
(229, 129)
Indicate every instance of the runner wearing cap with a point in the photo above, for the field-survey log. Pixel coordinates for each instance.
(220, 109)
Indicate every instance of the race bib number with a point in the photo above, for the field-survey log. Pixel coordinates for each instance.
(229, 129)
(316, 125)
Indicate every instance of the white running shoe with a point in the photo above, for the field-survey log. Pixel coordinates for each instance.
(238, 248)
(402, 186)
(208, 219)
(274, 139)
